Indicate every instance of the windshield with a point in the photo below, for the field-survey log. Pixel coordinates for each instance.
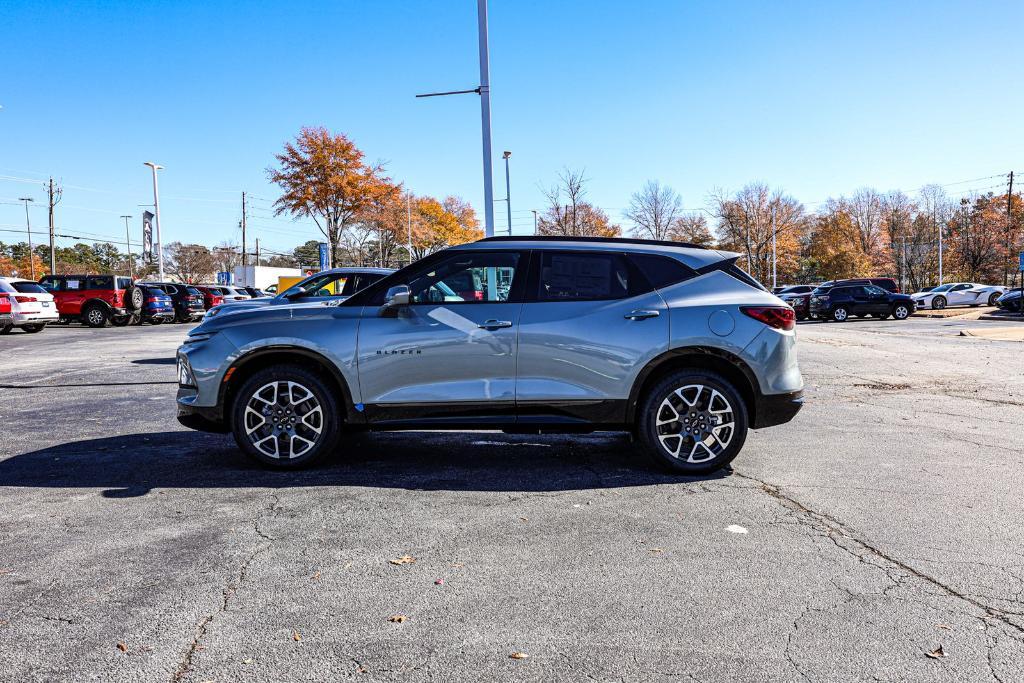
(328, 284)
(943, 288)
(193, 291)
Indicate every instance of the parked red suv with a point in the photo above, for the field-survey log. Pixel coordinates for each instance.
(212, 295)
(94, 299)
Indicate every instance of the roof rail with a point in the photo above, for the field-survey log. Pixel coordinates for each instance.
(569, 238)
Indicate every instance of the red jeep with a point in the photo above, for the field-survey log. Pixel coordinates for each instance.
(94, 299)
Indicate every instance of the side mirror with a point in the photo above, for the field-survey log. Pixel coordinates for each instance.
(398, 295)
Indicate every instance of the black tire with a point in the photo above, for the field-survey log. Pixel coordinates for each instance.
(993, 297)
(938, 303)
(660, 440)
(156, 321)
(320, 394)
(120, 320)
(6, 329)
(901, 311)
(95, 315)
(840, 314)
(32, 329)
(133, 297)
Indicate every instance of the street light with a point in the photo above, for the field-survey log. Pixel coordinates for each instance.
(508, 192)
(28, 228)
(534, 221)
(156, 209)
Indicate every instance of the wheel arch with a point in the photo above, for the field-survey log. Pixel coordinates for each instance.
(252, 362)
(96, 301)
(728, 365)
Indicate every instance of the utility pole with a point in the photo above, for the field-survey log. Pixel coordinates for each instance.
(54, 198)
(156, 210)
(28, 228)
(408, 219)
(508, 192)
(244, 262)
(534, 221)
(128, 239)
(1009, 228)
(257, 251)
(936, 220)
(774, 270)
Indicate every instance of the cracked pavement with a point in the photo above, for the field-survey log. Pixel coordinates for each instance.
(885, 522)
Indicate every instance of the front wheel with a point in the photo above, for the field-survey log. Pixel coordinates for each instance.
(901, 311)
(939, 302)
(693, 422)
(840, 314)
(6, 329)
(286, 417)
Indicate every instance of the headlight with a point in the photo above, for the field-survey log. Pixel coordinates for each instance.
(185, 376)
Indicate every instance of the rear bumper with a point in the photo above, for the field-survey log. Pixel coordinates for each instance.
(776, 409)
(48, 316)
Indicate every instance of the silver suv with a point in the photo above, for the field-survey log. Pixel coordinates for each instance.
(671, 342)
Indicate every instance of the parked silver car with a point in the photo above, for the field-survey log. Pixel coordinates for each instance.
(672, 342)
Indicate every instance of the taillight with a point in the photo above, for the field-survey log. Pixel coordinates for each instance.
(217, 300)
(779, 317)
(25, 299)
(152, 300)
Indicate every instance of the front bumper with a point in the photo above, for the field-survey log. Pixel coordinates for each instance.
(199, 418)
(776, 409)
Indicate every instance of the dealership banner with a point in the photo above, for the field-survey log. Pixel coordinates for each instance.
(324, 253)
(147, 237)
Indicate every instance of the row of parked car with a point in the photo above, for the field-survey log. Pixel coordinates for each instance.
(881, 297)
(96, 300)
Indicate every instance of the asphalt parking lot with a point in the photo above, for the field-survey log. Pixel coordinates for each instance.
(879, 536)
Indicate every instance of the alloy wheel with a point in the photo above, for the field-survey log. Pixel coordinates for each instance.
(283, 420)
(96, 316)
(695, 423)
(901, 312)
(840, 314)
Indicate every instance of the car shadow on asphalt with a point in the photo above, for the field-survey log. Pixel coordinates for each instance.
(154, 361)
(134, 464)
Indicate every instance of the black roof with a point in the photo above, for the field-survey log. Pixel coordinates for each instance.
(570, 238)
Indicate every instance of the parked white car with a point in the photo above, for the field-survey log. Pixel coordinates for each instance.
(32, 307)
(959, 294)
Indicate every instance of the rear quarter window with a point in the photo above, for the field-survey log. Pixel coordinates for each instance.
(662, 271)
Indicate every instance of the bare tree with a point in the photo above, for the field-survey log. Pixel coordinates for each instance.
(189, 262)
(654, 210)
(568, 214)
(747, 221)
(936, 210)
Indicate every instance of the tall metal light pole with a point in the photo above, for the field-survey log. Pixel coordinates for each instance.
(774, 259)
(128, 238)
(28, 228)
(484, 91)
(534, 221)
(156, 210)
(508, 192)
(408, 223)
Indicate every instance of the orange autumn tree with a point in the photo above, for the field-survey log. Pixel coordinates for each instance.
(436, 225)
(323, 176)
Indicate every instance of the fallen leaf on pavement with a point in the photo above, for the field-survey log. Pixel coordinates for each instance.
(936, 653)
(122, 647)
(736, 529)
(944, 627)
(316, 576)
(439, 582)
(655, 550)
(524, 519)
(296, 637)
(404, 559)
(458, 564)
(518, 655)
(398, 618)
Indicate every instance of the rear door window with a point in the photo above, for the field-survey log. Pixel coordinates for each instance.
(578, 276)
(74, 284)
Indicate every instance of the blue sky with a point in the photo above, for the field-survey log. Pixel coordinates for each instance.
(816, 98)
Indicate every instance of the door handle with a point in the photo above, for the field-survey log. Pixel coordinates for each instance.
(641, 314)
(494, 324)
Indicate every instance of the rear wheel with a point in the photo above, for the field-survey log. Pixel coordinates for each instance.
(32, 329)
(693, 422)
(840, 314)
(95, 316)
(939, 302)
(120, 320)
(285, 416)
(156, 321)
(6, 329)
(901, 311)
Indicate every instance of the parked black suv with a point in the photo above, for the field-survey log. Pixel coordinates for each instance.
(886, 283)
(187, 300)
(840, 302)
